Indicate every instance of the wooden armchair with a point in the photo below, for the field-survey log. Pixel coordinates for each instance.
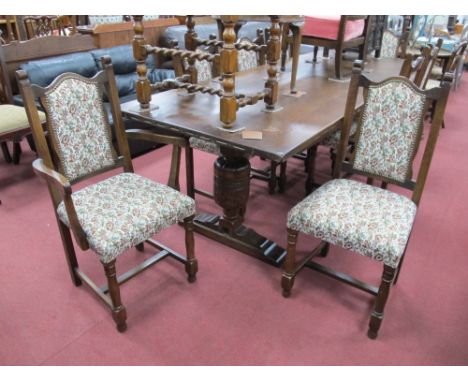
(340, 35)
(371, 221)
(120, 212)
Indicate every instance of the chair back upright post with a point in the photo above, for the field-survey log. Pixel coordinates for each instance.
(424, 63)
(350, 109)
(425, 98)
(432, 61)
(119, 127)
(441, 95)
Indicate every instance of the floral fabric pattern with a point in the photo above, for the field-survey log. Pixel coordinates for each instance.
(246, 59)
(333, 140)
(359, 217)
(389, 46)
(390, 128)
(79, 125)
(204, 68)
(205, 145)
(124, 210)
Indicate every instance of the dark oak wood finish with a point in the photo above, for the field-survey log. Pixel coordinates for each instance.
(48, 168)
(301, 124)
(231, 100)
(109, 35)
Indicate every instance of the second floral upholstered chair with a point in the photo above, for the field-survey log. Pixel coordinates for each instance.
(115, 214)
(360, 217)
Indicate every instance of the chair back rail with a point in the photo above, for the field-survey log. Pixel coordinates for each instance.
(427, 97)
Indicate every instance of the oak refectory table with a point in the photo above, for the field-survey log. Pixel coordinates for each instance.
(299, 124)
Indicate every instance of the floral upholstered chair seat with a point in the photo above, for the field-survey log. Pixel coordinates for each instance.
(371, 221)
(124, 210)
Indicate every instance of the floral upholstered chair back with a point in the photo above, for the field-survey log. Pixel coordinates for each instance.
(390, 130)
(204, 68)
(78, 126)
(390, 45)
(246, 59)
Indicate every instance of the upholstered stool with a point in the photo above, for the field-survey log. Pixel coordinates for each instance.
(14, 126)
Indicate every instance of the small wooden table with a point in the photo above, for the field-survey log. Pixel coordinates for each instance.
(301, 123)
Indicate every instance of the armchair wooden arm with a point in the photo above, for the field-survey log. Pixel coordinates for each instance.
(57, 182)
(177, 143)
(52, 177)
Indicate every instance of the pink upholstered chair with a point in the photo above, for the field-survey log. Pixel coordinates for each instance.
(336, 32)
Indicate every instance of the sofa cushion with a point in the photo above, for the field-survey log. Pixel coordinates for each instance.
(43, 72)
(122, 59)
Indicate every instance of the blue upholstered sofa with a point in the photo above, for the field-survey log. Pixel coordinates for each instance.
(43, 72)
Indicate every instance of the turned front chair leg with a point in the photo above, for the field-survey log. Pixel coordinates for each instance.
(119, 314)
(289, 274)
(382, 296)
(191, 266)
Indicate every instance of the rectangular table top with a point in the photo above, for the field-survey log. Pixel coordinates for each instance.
(301, 123)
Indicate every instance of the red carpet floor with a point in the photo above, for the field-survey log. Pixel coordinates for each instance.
(234, 314)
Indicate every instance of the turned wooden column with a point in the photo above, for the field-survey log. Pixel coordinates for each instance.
(228, 103)
(231, 189)
(191, 44)
(143, 86)
(273, 55)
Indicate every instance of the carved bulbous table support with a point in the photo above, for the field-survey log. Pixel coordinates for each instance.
(231, 190)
